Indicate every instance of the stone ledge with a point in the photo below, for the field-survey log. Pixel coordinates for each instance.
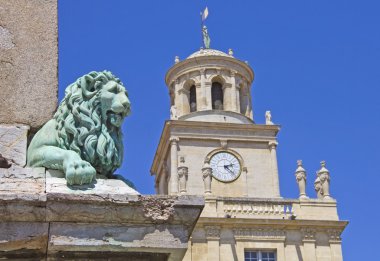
(55, 221)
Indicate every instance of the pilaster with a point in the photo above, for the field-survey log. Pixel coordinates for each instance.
(213, 241)
(233, 91)
(276, 186)
(335, 244)
(309, 243)
(173, 165)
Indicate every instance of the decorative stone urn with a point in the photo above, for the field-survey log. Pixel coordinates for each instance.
(301, 179)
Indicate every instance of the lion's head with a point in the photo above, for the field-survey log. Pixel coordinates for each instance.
(89, 120)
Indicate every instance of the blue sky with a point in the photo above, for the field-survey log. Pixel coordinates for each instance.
(317, 69)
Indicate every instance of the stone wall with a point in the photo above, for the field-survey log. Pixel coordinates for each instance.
(28, 61)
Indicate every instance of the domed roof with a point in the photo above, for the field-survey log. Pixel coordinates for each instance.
(208, 52)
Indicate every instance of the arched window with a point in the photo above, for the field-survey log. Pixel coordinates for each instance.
(193, 99)
(217, 96)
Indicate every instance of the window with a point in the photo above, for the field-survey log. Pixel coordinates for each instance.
(217, 96)
(259, 256)
(193, 99)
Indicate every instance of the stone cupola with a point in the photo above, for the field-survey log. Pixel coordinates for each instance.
(212, 86)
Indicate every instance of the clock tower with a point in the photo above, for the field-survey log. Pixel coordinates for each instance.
(211, 144)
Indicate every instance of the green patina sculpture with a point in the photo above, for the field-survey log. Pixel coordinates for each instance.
(84, 137)
(206, 37)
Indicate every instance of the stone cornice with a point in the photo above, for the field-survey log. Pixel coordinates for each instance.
(232, 131)
(209, 62)
(287, 224)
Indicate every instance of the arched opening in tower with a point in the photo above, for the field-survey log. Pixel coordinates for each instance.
(193, 99)
(217, 96)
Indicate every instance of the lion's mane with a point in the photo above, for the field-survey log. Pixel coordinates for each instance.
(80, 127)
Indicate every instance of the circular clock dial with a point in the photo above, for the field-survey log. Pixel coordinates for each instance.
(225, 166)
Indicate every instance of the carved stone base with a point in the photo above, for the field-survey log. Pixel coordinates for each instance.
(47, 220)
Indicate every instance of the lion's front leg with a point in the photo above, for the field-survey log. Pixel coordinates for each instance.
(77, 171)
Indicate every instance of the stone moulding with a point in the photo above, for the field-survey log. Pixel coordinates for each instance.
(108, 219)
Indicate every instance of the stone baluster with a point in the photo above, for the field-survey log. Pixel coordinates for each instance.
(301, 179)
(207, 177)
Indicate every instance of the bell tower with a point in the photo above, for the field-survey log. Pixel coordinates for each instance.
(211, 144)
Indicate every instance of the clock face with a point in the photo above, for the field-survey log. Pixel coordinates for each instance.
(225, 166)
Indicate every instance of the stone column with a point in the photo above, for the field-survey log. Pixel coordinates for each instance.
(177, 98)
(276, 185)
(207, 177)
(162, 181)
(182, 176)
(200, 94)
(309, 244)
(233, 91)
(203, 91)
(227, 103)
(250, 105)
(208, 96)
(173, 165)
(213, 237)
(238, 105)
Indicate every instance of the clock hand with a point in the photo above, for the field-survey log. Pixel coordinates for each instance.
(228, 169)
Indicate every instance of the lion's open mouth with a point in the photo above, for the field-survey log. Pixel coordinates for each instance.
(115, 119)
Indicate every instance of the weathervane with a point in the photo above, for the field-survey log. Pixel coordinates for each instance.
(205, 37)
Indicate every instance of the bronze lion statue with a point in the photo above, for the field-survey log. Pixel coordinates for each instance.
(84, 137)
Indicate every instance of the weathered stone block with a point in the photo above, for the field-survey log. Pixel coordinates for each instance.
(23, 240)
(56, 183)
(16, 180)
(106, 220)
(13, 142)
(28, 61)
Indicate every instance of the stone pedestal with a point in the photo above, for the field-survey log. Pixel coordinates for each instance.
(45, 219)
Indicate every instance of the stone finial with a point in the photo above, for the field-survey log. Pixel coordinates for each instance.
(301, 179)
(230, 52)
(182, 178)
(207, 177)
(268, 118)
(173, 112)
(323, 182)
(176, 59)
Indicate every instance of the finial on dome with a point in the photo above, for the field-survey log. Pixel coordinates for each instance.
(230, 52)
(176, 59)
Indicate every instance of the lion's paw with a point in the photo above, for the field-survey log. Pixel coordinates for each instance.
(79, 172)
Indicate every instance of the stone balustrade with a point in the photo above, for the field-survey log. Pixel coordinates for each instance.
(262, 208)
